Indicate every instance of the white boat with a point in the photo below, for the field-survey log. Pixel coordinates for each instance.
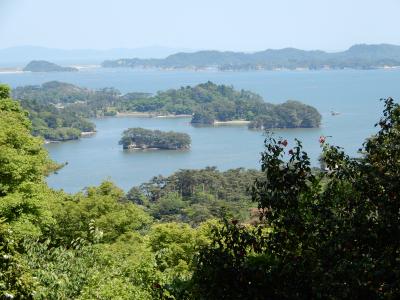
(334, 113)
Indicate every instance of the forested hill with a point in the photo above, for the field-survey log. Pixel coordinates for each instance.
(57, 110)
(360, 56)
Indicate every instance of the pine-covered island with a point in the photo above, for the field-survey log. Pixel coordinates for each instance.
(140, 138)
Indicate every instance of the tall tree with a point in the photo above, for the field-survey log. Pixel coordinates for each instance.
(329, 235)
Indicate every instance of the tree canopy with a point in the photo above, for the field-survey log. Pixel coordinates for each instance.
(195, 196)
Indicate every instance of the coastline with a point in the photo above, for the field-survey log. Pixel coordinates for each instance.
(154, 149)
(11, 70)
(232, 122)
(87, 133)
(46, 142)
(255, 69)
(84, 134)
(148, 115)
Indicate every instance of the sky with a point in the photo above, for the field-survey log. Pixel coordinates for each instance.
(238, 25)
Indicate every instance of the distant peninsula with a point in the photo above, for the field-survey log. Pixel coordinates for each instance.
(360, 56)
(45, 66)
(140, 138)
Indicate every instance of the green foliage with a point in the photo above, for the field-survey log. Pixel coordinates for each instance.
(22, 158)
(209, 102)
(169, 206)
(102, 206)
(15, 278)
(53, 92)
(127, 270)
(203, 116)
(230, 268)
(195, 196)
(331, 234)
(140, 138)
(60, 273)
(23, 162)
(291, 114)
(56, 123)
(175, 246)
(4, 91)
(57, 110)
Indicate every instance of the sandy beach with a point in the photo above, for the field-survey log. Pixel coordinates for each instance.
(148, 115)
(233, 122)
(87, 133)
(11, 70)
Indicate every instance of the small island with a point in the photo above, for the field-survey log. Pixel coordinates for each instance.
(46, 66)
(140, 138)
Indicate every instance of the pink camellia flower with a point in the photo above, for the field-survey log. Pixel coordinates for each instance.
(322, 139)
(284, 143)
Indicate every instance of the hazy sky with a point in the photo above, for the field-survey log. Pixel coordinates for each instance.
(199, 24)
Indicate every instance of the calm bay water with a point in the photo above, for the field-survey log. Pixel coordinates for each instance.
(353, 93)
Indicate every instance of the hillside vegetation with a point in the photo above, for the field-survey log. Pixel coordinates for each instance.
(314, 235)
(195, 196)
(60, 111)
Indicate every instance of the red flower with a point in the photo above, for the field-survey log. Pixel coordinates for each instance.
(284, 143)
(322, 139)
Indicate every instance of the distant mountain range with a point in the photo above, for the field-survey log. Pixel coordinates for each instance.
(360, 56)
(19, 56)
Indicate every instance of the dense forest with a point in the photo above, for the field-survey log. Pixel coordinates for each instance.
(56, 123)
(60, 111)
(195, 196)
(314, 235)
(140, 138)
(356, 57)
(206, 103)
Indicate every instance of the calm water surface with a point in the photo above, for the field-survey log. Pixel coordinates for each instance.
(354, 94)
